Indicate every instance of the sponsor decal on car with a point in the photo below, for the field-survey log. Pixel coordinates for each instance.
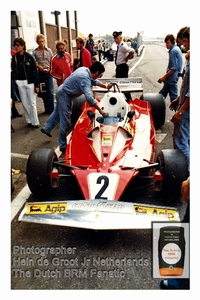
(101, 206)
(108, 129)
(47, 208)
(129, 129)
(155, 211)
(107, 140)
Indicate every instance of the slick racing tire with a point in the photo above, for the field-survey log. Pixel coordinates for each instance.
(173, 167)
(39, 166)
(158, 107)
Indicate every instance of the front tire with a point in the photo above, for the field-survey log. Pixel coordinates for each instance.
(39, 166)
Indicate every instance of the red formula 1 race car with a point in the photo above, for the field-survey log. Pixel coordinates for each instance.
(105, 155)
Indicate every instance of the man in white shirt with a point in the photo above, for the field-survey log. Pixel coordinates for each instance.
(122, 56)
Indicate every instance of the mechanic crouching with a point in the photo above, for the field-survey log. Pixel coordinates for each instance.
(78, 83)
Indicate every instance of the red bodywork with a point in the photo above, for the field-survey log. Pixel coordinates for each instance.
(111, 152)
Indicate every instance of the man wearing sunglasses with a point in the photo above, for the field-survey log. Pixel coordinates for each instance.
(25, 75)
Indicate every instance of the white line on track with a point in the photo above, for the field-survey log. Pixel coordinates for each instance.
(141, 57)
(18, 155)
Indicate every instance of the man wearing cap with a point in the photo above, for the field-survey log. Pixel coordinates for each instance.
(122, 56)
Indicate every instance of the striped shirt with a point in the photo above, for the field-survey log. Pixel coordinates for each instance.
(43, 58)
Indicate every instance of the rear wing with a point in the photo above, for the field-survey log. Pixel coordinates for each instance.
(131, 84)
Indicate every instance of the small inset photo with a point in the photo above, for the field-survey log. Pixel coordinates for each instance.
(170, 243)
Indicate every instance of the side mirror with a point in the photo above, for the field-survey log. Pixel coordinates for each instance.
(130, 114)
(90, 114)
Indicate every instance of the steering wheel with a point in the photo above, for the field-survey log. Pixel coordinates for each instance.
(116, 87)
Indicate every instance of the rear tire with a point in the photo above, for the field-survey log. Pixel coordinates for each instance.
(158, 107)
(39, 166)
(173, 167)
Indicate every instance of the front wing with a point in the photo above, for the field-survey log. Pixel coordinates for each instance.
(97, 214)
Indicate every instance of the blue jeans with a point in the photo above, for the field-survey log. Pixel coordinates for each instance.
(181, 136)
(52, 121)
(186, 217)
(171, 89)
(64, 104)
(179, 283)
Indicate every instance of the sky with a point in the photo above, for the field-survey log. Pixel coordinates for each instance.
(130, 20)
(153, 18)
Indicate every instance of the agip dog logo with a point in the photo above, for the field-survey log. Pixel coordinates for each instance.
(47, 208)
(155, 211)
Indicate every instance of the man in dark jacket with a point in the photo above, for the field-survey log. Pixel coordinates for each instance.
(25, 75)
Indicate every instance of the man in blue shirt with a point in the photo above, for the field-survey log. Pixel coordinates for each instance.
(181, 139)
(181, 118)
(78, 83)
(170, 79)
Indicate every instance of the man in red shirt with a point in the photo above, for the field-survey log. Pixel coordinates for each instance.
(85, 56)
(61, 65)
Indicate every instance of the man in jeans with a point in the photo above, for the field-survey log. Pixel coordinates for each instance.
(78, 83)
(61, 67)
(181, 138)
(43, 55)
(170, 78)
(181, 118)
(85, 61)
